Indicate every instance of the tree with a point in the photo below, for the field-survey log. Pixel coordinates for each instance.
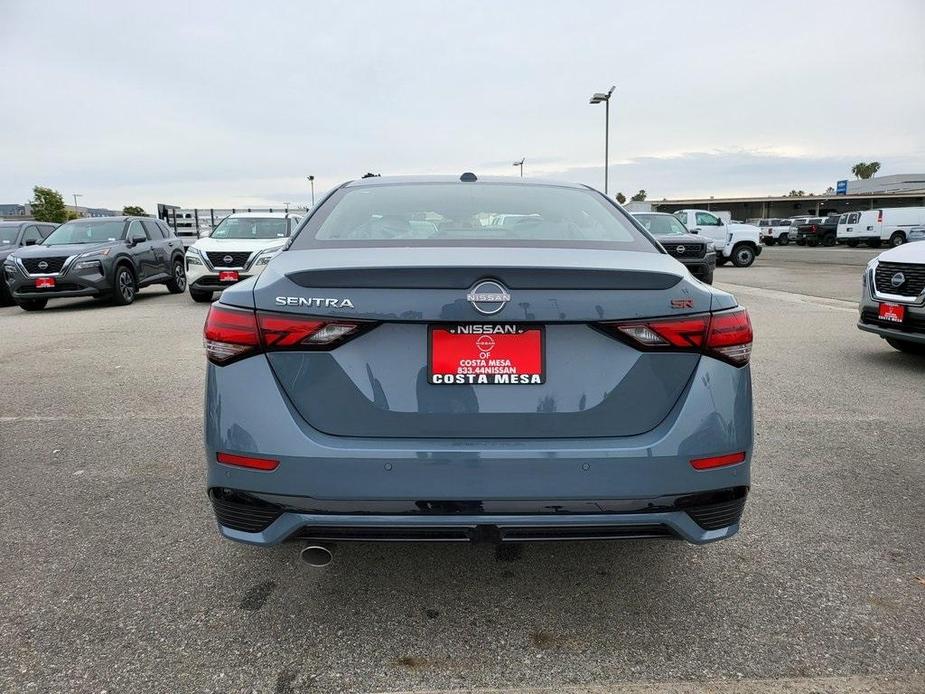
(865, 170)
(796, 193)
(133, 211)
(48, 205)
(640, 196)
(621, 198)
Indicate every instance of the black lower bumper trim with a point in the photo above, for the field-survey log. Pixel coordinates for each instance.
(254, 512)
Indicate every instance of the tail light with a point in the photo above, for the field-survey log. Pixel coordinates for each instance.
(726, 335)
(233, 333)
(813, 228)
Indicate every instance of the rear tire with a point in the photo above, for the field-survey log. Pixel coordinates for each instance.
(770, 241)
(720, 261)
(906, 346)
(177, 285)
(32, 304)
(201, 297)
(852, 243)
(783, 240)
(812, 243)
(829, 240)
(124, 287)
(897, 239)
(708, 278)
(743, 255)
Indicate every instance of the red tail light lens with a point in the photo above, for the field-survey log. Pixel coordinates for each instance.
(232, 333)
(726, 335)
(247, 461)
(717, 461)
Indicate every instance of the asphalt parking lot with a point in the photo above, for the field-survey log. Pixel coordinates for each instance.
(115, 579)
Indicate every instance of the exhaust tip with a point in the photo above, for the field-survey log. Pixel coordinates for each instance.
(316, 556)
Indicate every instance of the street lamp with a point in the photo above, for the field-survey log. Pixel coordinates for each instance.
(521, 165)
(596, 99)
(76, 195)
(311, 179)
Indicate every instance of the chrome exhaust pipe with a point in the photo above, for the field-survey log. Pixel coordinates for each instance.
(317, 556)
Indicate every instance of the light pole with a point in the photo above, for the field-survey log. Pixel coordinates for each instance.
(76, 195)
(311, 179)
(596, 99)
(521, 165)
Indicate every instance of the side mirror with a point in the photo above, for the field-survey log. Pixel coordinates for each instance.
(136, 239)
(695, 231)
(30, 242)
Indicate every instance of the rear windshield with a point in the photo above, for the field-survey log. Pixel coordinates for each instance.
(251, 228)
(464, 214)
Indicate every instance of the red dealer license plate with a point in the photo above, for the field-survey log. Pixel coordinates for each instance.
(486, 354)
(892, 312)
(228, 276)
(44, 282)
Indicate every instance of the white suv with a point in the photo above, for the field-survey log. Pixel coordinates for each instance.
(239, 247)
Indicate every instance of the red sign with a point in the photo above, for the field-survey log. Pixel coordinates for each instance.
(892, 312)
(228, 276)
(44, 282)
(486, 354)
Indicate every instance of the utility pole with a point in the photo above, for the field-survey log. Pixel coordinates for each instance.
(521, 165)
(76, 195)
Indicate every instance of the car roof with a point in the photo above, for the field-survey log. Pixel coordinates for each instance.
(455, 178)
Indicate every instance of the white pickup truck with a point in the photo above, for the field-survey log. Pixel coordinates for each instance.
(739, 243)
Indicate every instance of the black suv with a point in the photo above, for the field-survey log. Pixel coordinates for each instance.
(16, 234)
(103, 257)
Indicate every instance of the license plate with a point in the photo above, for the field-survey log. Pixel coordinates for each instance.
(228, 276)
(895, 313)
(486, 354)
(44, 282)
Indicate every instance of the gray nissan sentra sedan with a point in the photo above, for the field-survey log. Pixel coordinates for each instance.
(472, 359)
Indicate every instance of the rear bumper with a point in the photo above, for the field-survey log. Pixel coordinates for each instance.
(358, 483)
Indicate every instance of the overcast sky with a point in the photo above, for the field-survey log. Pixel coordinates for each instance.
(234, 103)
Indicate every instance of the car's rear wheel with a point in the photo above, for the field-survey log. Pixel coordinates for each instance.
(783, 240)
(177, 284)
(743, 255)
(721, 261)
(200, 297)
(124, 286)
(906, 346)
(897, 239)
(812, 243)
(829, 240)
(769, 241)
(852, 244)
(32, 304)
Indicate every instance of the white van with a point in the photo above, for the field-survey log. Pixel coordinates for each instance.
(875, 226)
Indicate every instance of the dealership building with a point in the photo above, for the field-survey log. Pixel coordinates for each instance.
(900, 190)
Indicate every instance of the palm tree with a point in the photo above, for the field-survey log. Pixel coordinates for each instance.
(864, 170)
